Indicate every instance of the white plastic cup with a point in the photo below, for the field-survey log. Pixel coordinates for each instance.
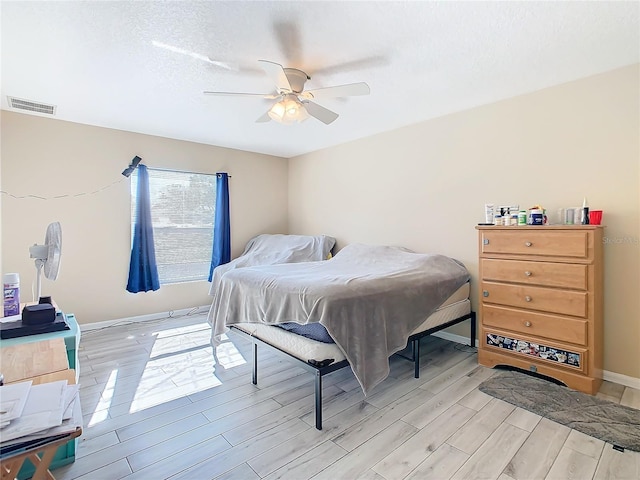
(569, 216)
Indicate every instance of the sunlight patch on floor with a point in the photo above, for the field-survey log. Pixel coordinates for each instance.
(186, 330)
(180, 364)
(228, 355)
(102, 409)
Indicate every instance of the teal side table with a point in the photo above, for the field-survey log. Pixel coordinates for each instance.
(66, 454)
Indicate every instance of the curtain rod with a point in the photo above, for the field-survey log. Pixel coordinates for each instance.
(184, 171)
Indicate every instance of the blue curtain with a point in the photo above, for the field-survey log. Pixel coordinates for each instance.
(221, 228)
(143, 271)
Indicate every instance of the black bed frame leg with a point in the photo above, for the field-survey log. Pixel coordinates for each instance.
(473, 329)
(254, 375)
(416, 358)
(318, 401)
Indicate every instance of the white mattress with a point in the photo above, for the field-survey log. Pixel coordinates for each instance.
(305, 348)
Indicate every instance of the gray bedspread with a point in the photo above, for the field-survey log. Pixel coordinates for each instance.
(369, 298)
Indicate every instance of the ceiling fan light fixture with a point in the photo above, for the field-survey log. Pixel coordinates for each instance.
(289, 110)
(295, 105)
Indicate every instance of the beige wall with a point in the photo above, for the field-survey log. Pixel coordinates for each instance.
(424, 186)
(48, 157)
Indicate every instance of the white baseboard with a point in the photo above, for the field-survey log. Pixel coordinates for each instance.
(454, 338)
(606, 375)
(145, 318)
(621, 379)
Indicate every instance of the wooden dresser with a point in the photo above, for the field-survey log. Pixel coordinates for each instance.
(541, 301)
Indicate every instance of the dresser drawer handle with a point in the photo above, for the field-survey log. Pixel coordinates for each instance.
(527, 324)
(528, 244)
(527, 298)
(527, 273)
(485, 293)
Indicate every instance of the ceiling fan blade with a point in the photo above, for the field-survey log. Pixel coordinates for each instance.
(325, 115)
(373, 61)
(277, 75)
(349, 90)
(270, 96)
(264, 118)
(288, 35)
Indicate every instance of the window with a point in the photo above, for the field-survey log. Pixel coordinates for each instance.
(182, 212)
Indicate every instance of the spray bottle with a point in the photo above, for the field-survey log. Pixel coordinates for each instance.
(11, 294)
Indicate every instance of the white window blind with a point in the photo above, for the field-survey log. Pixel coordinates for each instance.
(182, 213)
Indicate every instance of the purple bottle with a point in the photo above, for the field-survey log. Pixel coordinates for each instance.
(11, 294)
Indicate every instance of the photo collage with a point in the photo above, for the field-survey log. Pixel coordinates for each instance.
(534, 349)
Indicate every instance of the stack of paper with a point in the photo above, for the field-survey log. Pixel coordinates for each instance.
(31, 412)
(12, 401)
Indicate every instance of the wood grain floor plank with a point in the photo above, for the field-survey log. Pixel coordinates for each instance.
(298, 446)
(631, 398)
(178, 443)
(488, 461)
(238, 454)
(271, 419)
(572, 465)
(115, 423)
(179, 462)
(239, 405)
(369, 475)
(585, 444)
(310, 463)
(473, 433)
(241, 472)
(336, 404)
(359, 433)
(614, 390)
(359, 460)
(87, 446)
(392, 390)
(408, 456)
(440, 402)
(128, 447)
(451, 375)
(117, 469)
(475, 400)
(618, 465)
(523, 419)
(442, 464)
(534, 459)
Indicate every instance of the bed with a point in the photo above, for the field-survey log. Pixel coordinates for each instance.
(372, 300)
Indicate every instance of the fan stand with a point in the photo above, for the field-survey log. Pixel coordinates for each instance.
(39, 265)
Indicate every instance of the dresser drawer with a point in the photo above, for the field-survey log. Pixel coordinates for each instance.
(551, 300)
(531, 242)
(558, 355)
(565, 275)
(539, 324)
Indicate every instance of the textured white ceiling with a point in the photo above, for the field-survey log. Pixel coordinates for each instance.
(97, 63)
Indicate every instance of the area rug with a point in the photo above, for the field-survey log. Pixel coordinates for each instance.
(593, 416)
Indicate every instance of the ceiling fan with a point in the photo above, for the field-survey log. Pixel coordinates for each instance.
(294, 104)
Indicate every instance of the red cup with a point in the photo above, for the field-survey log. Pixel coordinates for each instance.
(595, 217)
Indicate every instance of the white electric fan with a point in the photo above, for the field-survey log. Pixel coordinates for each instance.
(48, 255)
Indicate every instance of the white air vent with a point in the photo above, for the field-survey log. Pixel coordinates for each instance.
(22, 104)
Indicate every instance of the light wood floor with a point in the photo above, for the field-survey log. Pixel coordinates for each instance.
(155, 409)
